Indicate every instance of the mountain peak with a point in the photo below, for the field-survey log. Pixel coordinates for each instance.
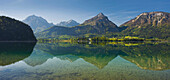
(153, 18)
(100, 15)
(69, 23)
(99, 19)
(37, 23)
(71, 20)
(158, 13)
(33, 15)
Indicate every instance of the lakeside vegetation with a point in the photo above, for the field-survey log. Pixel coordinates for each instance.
(100, 39)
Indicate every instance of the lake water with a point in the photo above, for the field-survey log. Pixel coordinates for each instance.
(85, 61)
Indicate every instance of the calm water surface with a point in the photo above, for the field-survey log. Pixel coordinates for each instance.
(99, 61)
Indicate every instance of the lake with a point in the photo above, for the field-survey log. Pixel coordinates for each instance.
(84, 61)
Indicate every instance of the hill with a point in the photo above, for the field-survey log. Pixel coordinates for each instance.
(14, 30)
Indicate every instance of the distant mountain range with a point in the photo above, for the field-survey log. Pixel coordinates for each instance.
(99, 24)
(69, 23)
(145, 25)
(37, 24)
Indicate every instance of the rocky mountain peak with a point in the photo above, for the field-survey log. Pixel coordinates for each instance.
(69, 23)
(100, 22)
(152, 14)
(37, 23)
(148, 25)
(34, 18)
(100, 15)
(152, 18)
(100, 18)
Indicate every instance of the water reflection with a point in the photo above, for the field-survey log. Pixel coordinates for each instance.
(151, 57)
(14, 52)
(145, 56)
(100, 61)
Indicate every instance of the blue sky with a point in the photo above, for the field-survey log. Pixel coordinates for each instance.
(118, 11)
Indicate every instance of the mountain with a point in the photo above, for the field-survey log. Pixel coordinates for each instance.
(99, 24)
(37, 23)
(148, 25)
(14, 30)
(69, 23)
(101, 21)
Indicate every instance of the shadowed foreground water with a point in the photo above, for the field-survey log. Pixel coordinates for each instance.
(66, 61)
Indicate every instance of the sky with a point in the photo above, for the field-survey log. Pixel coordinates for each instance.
(55, 11)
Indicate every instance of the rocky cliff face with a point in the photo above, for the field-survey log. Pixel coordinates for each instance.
(13, 30)
(151, 18)
(148, 25)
